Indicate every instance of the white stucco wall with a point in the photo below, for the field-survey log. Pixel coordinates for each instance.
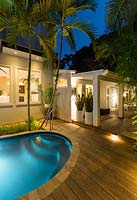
(63, 98)
(14, 112)
(102, 94)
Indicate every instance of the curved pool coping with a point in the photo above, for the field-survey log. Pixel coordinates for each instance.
(44, 190)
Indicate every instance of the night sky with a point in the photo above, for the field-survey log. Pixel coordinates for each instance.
(97, 19)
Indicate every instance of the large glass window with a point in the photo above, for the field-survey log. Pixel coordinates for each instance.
(23, 86)
(4, 84)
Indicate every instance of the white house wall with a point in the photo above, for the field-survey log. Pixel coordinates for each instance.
(63, 98)
(14, 112)
(102, 94)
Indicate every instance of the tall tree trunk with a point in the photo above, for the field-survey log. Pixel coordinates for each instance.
(58, 66)
(29, 78)
(56, 80)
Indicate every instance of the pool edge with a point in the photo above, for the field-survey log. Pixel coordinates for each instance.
(46, 189)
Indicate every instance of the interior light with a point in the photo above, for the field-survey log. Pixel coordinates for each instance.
(73, 107)
(15, 52)
(114, 98)
(73, 82)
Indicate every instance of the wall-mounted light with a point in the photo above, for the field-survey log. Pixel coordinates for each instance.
(15, 53)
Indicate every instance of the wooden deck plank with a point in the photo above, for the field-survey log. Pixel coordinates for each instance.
(76, 188)
(85, 180)
(58, 195)
(105, 170)
(68, 193)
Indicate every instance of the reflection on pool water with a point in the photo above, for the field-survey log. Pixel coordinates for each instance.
(29, 161)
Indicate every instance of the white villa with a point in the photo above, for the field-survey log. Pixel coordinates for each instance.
(107, 93)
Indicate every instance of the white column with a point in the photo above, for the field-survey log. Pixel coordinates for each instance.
(96, 101)
(121, 103)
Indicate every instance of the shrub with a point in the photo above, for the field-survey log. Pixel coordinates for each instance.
(20, 127)
(89, 103)
(79, 101)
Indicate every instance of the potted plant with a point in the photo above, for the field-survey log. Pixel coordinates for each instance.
(88, 109)
(79, 101)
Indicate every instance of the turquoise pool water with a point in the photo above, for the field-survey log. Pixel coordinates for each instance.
(29, 161)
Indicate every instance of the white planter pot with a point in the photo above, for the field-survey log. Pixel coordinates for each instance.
(79, 115)
(88, 117)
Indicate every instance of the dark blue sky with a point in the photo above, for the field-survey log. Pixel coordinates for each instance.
(97, 19)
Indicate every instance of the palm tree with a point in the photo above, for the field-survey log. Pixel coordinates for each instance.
(20, 18)
(65, 22)
(122, 13)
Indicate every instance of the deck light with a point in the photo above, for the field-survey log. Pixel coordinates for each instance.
(114, 137)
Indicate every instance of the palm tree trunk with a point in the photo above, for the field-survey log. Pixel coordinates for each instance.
(29, 83)
(58, 67)
(56, 80)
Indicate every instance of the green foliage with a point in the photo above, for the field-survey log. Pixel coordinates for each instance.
(48, 95)
(89, 103)
(135, 146)
(34, 123)
(121, 52)
(134, 120)
(79, 101)
(14, 128)
(1, 92)
(122, 13)
(19, 127)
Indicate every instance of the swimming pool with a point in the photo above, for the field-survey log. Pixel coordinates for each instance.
(29, 161)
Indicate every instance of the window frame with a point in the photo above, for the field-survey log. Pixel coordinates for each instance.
(17, 88)
(10, 103)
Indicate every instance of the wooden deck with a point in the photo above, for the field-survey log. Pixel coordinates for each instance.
(105, 169)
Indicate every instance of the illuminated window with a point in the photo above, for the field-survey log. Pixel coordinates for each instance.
(23, 85)
(62, 82)
(4, 84)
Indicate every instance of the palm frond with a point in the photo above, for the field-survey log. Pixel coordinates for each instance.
(47, 49)
(114, 10)
(74, 6)
(5, 23)
(83, 26)
(85, 4)
(121, 13)
(70, 38)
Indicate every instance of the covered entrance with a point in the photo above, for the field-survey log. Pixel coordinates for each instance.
(102, 84)
(107, 94)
